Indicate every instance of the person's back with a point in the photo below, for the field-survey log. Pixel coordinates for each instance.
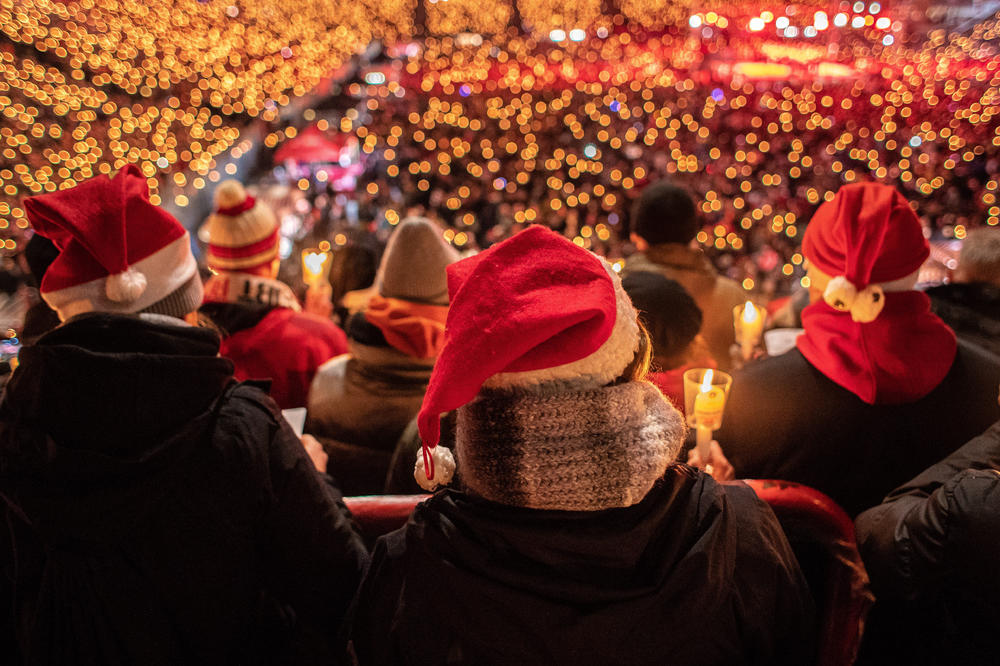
(970, 304)
(786, 420)
(360, 402)
(696, 573)
(283, 345)
(170, 521)
(673, 320)
(264, 331)
(877, 388)
(156, 511)
(665, 224)
(931, 550)
(576, 538)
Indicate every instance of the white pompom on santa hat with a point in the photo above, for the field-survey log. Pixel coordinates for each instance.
(117, 251)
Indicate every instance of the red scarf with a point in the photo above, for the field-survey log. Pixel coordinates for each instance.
(898, 358)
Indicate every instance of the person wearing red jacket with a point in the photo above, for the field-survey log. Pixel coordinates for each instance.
(264, 331)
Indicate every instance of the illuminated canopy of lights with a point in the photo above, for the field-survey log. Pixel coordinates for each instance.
(544, 16)
(87, 86)
(448, 17)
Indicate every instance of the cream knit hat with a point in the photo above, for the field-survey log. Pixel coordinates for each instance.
(242, 233)
(413, 265)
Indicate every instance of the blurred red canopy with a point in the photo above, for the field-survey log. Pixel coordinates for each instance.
(310, 145)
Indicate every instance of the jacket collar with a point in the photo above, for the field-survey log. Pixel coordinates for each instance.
(680, 257)
(116, 383)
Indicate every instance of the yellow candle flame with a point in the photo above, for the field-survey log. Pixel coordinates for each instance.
(706, 383)
(749, 313)
(314, 262)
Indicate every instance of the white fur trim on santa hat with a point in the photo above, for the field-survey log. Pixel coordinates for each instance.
(164, 271)
(599, 368)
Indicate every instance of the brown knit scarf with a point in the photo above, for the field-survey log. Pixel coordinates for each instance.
(576, 451)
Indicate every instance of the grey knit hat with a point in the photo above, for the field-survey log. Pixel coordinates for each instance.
(183, 300)
(558, 449)
(414, 262)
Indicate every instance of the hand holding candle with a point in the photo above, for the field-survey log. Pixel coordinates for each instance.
(705, 393)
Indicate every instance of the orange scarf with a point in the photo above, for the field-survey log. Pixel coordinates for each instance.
(416, 329)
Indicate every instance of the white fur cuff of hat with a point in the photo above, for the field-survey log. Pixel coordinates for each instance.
(162, 272)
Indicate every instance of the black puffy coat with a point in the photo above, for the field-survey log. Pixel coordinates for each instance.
(932, 550)
(696, 573)
(786, 420)
(157, 512)
(972, 310)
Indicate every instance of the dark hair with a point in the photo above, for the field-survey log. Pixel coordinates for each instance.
(40, 252)
(669, 313)
(353, 266)
(639, 367)
(8, 282)
(665, 213)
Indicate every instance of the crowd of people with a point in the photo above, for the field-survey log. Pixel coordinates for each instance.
(487, 139)
(540, 250)
(161, 508)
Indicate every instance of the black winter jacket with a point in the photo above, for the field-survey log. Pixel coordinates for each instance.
(786, 420)
(932, 550)
(157, 513)
(972, 310)
(696, 573)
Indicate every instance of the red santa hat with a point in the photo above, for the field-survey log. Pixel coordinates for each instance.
(532, 310)
(869, 245)
(117, 251)
(864, 239)
(242, 234)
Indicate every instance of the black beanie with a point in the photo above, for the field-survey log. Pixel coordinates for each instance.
(665, 213)
(40, 252)
(669, 313)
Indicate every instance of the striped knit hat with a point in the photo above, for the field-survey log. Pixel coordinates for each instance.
(536, 315)
(242, 233)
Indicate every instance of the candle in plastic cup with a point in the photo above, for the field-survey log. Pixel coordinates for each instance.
(749, 323)
(705, 393)
(708, 406)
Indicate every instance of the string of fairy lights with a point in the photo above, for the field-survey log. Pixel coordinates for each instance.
(87, 86)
